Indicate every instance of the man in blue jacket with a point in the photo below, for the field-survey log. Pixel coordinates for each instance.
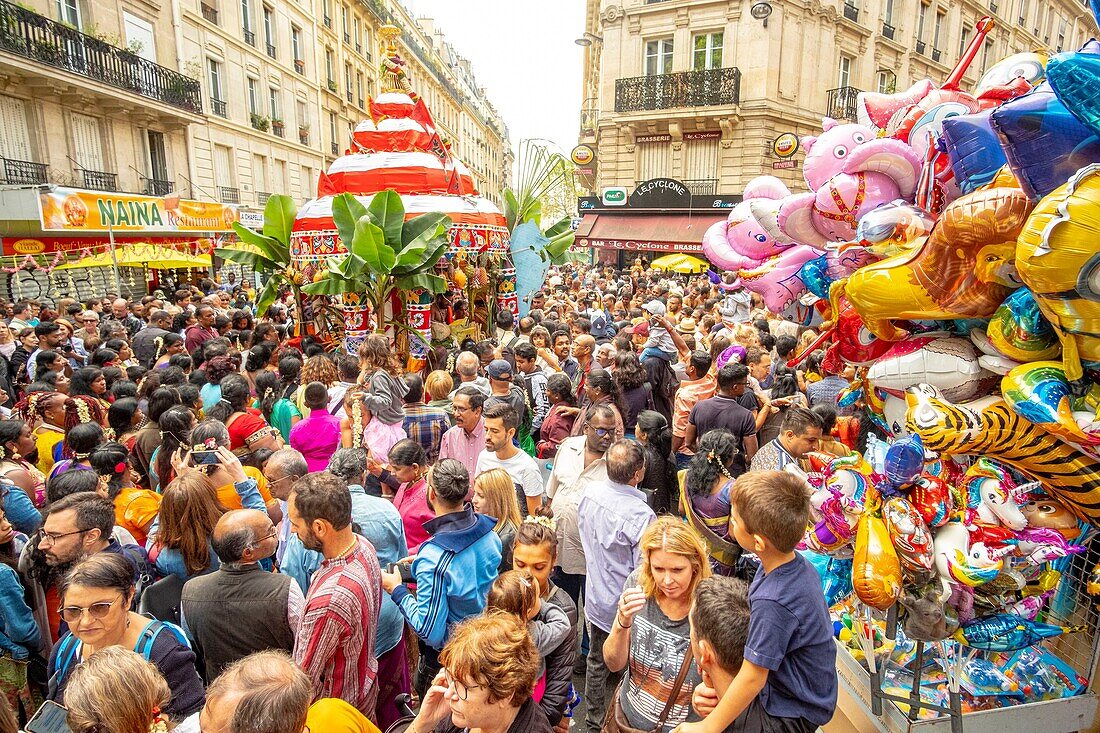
(453, 568)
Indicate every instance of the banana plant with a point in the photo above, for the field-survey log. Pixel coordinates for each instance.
(268, 254)
(544, 180)
(386, 252)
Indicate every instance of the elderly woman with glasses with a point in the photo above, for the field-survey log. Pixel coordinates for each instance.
(489, 670)
(96, 598)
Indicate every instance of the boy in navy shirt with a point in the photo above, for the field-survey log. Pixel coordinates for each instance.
(787, 682)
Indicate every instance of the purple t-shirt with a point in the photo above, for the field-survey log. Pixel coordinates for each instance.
(316, 437)
(791, 636)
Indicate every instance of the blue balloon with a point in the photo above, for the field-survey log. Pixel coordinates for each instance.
(814, 274)
(904, 462)
(1042, 140)
(973, 149)
(1075, 78)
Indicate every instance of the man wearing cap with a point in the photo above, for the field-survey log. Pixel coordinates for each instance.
(502, 389)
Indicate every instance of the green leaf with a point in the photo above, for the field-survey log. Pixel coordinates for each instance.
(267, 246)
(279, 218)
(423, 280)
(267, 296)
(417, 225)
(258, 263)
(559, 246)
(388, 213)
(346, 210)
(369, 245)
(421, 253)
(563, 225)
(511, 208)
(332, 284)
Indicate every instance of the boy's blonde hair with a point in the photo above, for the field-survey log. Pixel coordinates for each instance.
(774, 505)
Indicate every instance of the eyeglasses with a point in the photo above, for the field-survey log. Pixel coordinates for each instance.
(52, 537)
(600, 432)
(273, 533)
(460, 689)
(72, 614)
(273, 481)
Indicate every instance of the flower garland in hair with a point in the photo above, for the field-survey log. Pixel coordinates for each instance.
(357, 424)
(159, 723)
(547, 522)
(712, 457)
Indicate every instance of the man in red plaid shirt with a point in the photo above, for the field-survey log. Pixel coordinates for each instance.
(335, 640)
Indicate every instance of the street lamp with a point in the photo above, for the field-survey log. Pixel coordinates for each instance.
(761, 11)
(588, 39)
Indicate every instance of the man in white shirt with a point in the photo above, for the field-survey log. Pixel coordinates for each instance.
(501, 424)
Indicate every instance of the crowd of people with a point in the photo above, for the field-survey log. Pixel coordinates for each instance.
(211, 523)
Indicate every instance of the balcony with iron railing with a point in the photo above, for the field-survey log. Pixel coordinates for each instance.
(209, 14)
(841, 103)
(271, 50)
(221, 109)
(921, 47)
(708, 88)
(936, 54)
(229, 194)
(888, 31)
(262, 197)
(157, 186)
(851, 12)
(36, 37)
(701, 186)
(303, 136)
(249, 36)
(335, 148)
(24, 172)
(100, 180)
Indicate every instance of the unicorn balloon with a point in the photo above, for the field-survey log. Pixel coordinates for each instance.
(992, 495)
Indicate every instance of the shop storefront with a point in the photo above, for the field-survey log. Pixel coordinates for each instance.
(658, 217)
(57, 242)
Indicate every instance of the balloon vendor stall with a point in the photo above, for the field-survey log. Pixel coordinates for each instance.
(399, 157)
(950, 240)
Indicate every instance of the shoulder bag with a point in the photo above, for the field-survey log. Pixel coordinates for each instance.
(615, 721)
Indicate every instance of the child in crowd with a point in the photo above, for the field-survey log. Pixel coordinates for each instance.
(660, 343)
(787, 680)
(517, 592)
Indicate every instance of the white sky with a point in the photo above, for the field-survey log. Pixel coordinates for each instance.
(522, 53)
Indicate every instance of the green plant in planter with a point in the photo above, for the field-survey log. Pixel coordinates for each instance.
(386, 253)
(268, 253)
(260, 122)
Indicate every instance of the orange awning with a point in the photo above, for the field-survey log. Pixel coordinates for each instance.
(646, 232)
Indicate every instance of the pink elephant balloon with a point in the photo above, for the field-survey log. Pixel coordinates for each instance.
(742, 241)
(778, 279)
(849, 172)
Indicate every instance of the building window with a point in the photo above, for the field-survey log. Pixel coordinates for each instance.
(215, 73)
(330, 72)
(964, 39)
(223, 168)
(158, 161)
(15, 137)
(987, 54)
(658, 58)
(246, 15)
(1023, 12)
(269, 28)
(303, 114)
(358, 35)
(296, 42)
(253, 97)
(332, 127)
(885, 82)
(844, 72)
(922, 17)
(273, 103)
(347, 77)
(707, 51)
(1061, 35)
(68, 12)
(88, 142)
(888, 13)
(701, 164)
(359, 87)
(937, 30)
(654, 160)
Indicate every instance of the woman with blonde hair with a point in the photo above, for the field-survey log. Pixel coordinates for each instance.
(438, 385)
(317, 368)
(495, 496)
(116, 691)
(655, 605)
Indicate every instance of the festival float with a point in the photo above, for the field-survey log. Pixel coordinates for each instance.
(398, 164)
(949, 240)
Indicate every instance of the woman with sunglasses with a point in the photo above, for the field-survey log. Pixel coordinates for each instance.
(96, 596)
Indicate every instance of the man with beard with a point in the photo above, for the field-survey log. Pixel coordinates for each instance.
(335, 639)
(76, 526)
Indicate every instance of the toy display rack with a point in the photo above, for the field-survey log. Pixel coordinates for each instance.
(863, 701)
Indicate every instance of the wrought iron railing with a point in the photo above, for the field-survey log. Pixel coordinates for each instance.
(157, 187)
(701, 186)
(100, 180)
(686, 89)
(33, 36)
(936, 54)
(300, 66)
(279, 128)
(335, 149)
(271, 50)
(888, 31)
(841, 103)
(221, 109)
(262, 197)
(23, 172)
(249, 36)
(209, 14)
(229, 194)
(851, 12)
(921, 47)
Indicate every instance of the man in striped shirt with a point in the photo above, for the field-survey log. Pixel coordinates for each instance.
(335, 640)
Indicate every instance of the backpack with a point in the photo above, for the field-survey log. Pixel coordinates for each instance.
(68, 649)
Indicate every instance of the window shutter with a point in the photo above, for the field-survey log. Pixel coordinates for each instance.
(15, 139)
